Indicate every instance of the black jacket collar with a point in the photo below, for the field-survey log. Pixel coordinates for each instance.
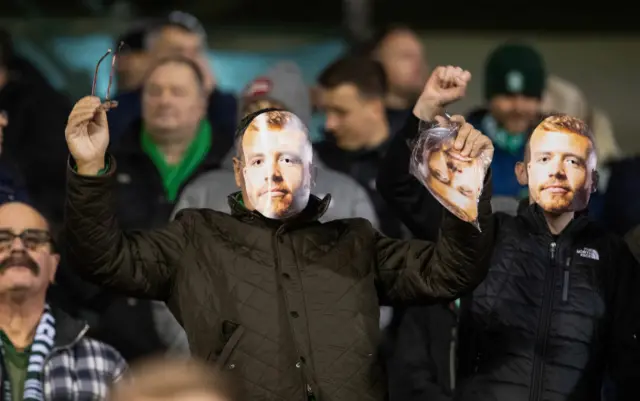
(534, 216)
(68, 329)
(315, 209)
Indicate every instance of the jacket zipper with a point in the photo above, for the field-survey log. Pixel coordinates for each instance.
(453, 351)
(543, 326)
(565, 281)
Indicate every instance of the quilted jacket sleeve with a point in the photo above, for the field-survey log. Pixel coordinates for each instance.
(424, 271)
(140, 264)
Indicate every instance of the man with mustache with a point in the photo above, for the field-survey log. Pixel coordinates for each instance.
(44, 353)
(559, 308)
(288, 304)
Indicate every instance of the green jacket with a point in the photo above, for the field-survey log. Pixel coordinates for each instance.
(289, 307)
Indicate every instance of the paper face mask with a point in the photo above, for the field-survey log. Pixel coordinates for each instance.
(560, 170)
(454, 180)
(277, 164)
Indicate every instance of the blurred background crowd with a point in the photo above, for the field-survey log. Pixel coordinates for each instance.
(351, 69)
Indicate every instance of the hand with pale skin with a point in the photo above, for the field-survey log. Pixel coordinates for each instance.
(469, 141)
(445, 86)
(87, 135)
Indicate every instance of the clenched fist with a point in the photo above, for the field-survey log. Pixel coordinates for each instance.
(444, 86)
(87, 135)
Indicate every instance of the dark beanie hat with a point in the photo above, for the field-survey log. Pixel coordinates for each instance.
(515, 69)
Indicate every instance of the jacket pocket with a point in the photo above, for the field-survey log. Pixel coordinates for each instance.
(232, 332)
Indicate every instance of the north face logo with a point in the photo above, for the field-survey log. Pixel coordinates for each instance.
(588, 253)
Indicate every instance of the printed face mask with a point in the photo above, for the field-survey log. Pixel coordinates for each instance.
(560, 171)
(277, 164)
(456, 181)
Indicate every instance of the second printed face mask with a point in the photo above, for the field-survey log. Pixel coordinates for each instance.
(456, 181)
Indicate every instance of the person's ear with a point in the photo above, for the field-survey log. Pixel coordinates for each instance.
(520, 170)
(375, 106)
(237, 172)
(595, 181)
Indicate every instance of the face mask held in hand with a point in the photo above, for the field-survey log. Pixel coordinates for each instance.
(452, 177)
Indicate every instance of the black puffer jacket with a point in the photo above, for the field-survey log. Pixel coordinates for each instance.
(553, 313)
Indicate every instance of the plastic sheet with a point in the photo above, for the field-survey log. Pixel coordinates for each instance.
(456, 181)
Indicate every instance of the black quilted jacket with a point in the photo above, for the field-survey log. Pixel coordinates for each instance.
(290, 308)
(552, 315)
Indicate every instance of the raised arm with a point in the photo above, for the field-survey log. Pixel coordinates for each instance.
(458, 260)
(410, 200)
(427, 272)
(140, 264)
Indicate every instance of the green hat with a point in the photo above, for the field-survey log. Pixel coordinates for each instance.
(515, 69)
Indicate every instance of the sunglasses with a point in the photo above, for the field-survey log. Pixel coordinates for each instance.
(108, 103)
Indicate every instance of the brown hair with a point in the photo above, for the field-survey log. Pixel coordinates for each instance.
(178, 59)
(275, 119)
(364, 73)
(566, 123)
(562, 123)
(170, 378)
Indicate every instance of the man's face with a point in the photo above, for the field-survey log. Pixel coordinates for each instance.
(515, 113)
(404, 61)
(173, 101)
(131, 69)
(176, 41)
(560, 171)
(276, 166)
(349, 116)
(456, 180)
(27, 263)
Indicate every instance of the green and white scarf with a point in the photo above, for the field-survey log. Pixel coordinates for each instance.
(39, 350)
(508, 141)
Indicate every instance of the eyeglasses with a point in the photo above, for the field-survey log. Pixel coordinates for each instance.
(33, 239)
(108, 103)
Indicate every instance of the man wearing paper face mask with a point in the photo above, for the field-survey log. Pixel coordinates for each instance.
(558, 309)
(275, 167)
(287, 304)
(561, 173)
